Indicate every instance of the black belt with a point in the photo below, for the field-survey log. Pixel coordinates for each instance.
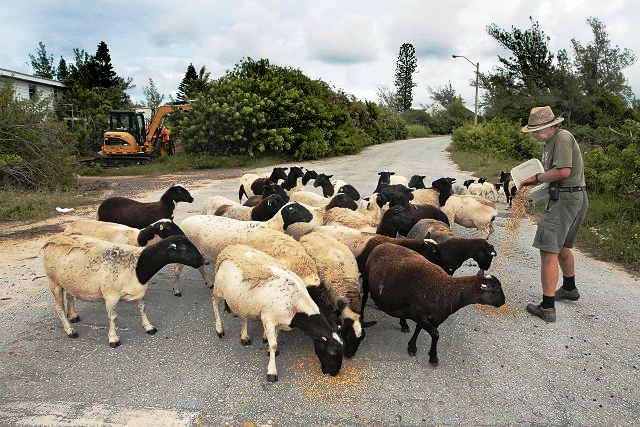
(576, 188)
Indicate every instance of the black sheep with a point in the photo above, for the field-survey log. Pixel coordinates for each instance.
(405, 285)
(140, 214)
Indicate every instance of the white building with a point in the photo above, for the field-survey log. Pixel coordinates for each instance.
(27, 86)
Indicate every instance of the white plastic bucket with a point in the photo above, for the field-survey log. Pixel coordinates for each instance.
(524, 171)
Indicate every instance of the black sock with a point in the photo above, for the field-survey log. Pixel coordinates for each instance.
(569, 283)
(548, 302)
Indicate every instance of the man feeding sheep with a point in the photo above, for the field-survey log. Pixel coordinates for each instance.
(565, 211)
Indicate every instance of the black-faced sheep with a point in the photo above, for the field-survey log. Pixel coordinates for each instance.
(341, 200)
(252, 184)
(269, 189)
(211, 234)
(92, 269)
(139, 214)
(119, 233)
(405, 285)
(390, 178)
(293, 182)
(417, 182)
(399, 219)
(330, 188)
(263, 211)
(256, 286)
(338, 271)
(508, 186)
(454, 249)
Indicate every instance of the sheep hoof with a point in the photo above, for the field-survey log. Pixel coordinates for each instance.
(272, 378)
(412, 351)
(434, 362)
(177, 294)
(152, 331)
(73, 334)
(114, 344)
(74, 319)
(245, 341)
(220, 334)
(264, 340)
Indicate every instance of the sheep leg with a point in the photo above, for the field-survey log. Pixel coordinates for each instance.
(244, 333)
(205, 277)
(216, 313)
(272, 337)
(58, 300)
(176, 279)
(404, 327)
(110, 303)
(71, 308)
(145, 321)
(431, 330)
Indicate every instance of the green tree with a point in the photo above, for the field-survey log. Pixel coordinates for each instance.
(62, 73)
(531, 65)
(445, 95)
(599, 66)
(42, 63)
(184, 88)
(105, 76)
(152, 96)
(405, 67)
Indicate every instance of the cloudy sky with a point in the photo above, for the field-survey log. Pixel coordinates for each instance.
(351, 44)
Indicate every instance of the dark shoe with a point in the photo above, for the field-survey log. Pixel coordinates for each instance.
(572, 295)
(546, 314)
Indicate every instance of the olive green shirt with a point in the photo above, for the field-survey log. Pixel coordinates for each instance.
(563, 152)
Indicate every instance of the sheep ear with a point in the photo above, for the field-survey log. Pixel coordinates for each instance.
(480, 273)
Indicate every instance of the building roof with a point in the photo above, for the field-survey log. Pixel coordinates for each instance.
(29, 78)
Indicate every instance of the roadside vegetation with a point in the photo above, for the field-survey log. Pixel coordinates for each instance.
(259, 114)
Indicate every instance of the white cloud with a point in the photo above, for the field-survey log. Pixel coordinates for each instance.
(352, 45)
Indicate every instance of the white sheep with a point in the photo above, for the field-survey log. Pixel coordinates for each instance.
(471, 211)
(211, 234)
(256, 286)
(309, 198)
(253, 184)
(475, 188)
(123, 234)
(489, 190)
(338, 271)
(92, 269)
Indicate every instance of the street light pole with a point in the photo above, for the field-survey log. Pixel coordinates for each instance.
(477, 65)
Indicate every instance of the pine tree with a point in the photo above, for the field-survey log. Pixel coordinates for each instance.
(62, 72)
(105, 76)
(184, 89)
(152, 96)
(405, 67)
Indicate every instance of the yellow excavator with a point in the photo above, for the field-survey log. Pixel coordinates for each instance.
(132, 139)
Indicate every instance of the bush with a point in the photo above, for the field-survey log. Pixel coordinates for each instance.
(263, 109)
(496, 136)
(35, 148)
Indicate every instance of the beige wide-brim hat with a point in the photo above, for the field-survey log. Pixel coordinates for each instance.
(540, 118)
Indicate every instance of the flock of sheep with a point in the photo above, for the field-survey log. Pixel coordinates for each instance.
(290, 257)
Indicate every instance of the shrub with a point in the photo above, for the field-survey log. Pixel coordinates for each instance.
(496, 136)
(35, 148)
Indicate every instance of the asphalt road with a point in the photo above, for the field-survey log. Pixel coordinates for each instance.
(497, 366)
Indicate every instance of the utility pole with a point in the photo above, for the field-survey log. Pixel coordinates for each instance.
(477, 65)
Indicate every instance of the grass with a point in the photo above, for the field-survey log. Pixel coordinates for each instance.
(20, 205)
(182, 162)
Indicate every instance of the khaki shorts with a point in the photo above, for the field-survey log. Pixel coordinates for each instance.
(561, 221)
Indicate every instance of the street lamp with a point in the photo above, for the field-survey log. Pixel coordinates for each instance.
(477, 65)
